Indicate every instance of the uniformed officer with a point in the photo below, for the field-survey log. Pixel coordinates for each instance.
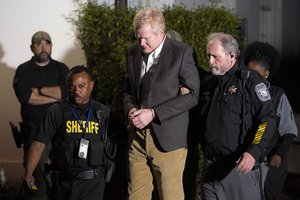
(236, 123)
(263, 57)
(77, 128)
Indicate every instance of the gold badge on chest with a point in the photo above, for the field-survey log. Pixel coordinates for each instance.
(232, 89)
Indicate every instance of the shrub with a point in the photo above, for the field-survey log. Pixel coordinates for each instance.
(105, 33)
(195, 25)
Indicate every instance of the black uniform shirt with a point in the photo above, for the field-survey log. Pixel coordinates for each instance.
(221, 111)
(29, 75)
(62, 128)
(55, 119)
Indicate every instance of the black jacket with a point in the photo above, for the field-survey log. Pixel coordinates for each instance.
(219, 114)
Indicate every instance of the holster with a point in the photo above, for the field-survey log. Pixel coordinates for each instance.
(110, 151)
(17, 135)
(28, 129)
(48, 176)
(109, 171)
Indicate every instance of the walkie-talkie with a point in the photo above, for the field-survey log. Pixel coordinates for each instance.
(16, 134)
(245, 75)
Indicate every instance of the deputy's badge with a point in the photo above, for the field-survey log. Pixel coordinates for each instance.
(232, 89)
(262, 92)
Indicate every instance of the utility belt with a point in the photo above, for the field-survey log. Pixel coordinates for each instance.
(70, 175)
(233, 157)
(215, 159)
(229, 158)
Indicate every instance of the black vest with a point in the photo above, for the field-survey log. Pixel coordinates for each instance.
(65, 143)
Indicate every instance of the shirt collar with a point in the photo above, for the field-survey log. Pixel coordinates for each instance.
(155, 54)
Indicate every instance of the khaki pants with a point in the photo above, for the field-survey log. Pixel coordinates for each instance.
(146, 162)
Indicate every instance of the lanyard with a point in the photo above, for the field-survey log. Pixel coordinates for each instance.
(87, 119)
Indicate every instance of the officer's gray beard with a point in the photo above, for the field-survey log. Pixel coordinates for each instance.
(216, 72)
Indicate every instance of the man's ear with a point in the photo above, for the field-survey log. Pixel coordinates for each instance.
(267, 74)
(92, 85)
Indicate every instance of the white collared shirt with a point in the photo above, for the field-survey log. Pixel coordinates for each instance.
(152, 59)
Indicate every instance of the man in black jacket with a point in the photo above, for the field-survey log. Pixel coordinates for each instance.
(236, 123)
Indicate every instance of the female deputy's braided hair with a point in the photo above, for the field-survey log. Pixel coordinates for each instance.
(264, 53)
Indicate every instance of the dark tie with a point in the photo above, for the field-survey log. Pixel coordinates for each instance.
(145, 58)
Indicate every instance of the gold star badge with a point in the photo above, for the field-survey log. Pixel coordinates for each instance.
(232, 89)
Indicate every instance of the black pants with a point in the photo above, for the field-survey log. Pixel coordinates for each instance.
(275, 181)
(231, 185)
(79, 189)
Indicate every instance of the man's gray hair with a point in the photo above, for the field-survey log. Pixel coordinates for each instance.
(174, 35)
(228, 42)
(152, 16)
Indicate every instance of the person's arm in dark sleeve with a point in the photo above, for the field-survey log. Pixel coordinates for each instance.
(264, 119)
(284, 144)
(55, 92)
(49, 124)
(21, 85)
(26, 94)
(38, 95)
(287, 126)
(129, 104)
(128, 100)
(40, 99)
(128, 96)
(189, 78)
(264, 124)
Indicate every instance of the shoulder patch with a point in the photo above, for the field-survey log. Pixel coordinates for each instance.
(262, 92)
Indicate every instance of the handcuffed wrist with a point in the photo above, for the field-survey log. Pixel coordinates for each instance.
(153, 113)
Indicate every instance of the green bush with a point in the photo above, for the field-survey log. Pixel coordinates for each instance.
(105, 33)
(195, 25)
